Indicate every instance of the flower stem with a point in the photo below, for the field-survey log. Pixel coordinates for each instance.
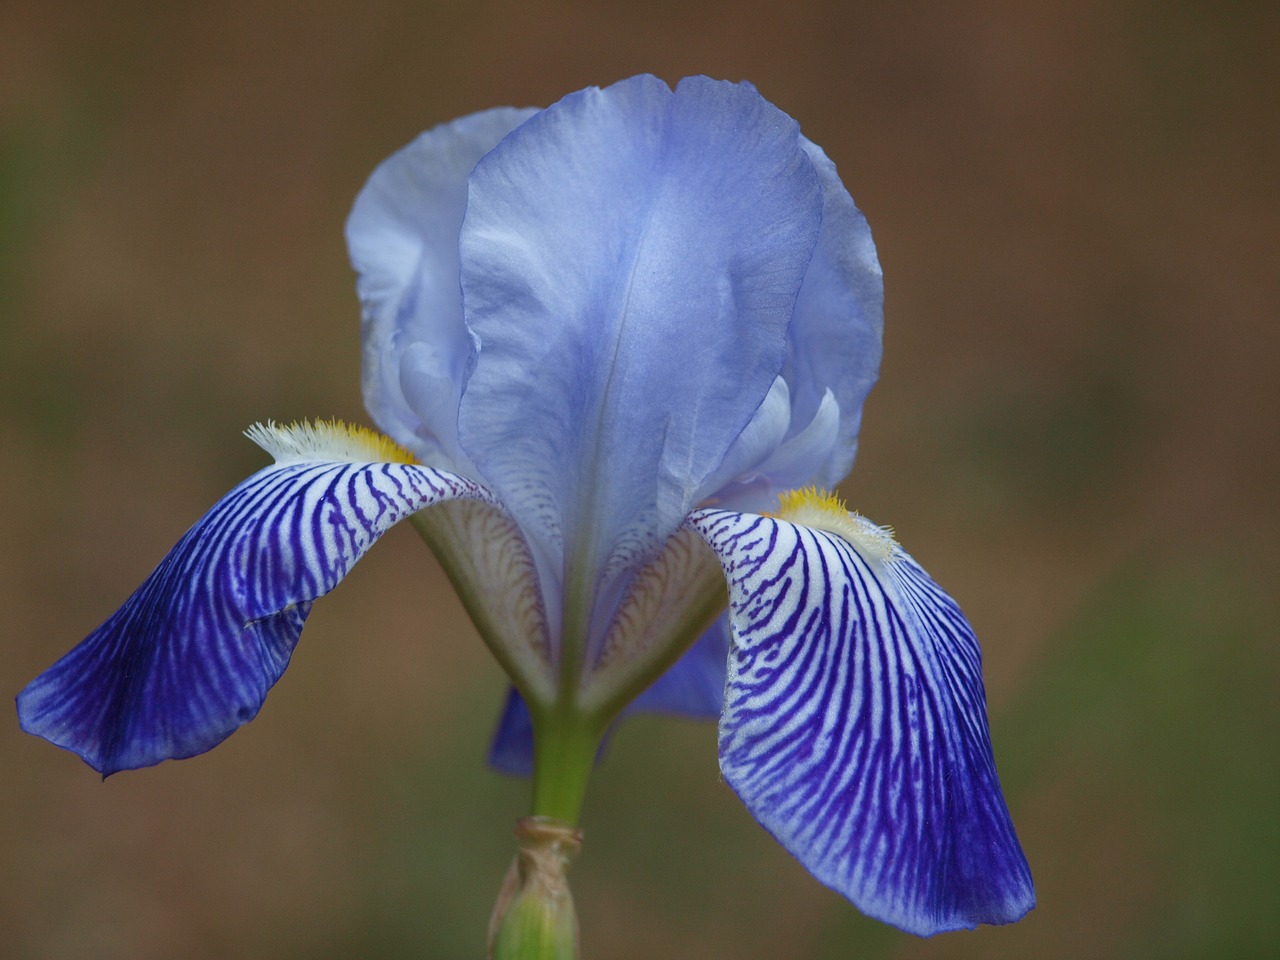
(565, 746)
(534, 918)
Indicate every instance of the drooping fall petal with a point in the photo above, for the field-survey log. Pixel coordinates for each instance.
(191, 654)
(855, 727)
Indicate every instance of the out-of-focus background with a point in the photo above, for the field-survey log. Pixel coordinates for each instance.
(1075, 430)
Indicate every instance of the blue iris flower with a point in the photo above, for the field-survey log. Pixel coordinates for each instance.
(603, 338)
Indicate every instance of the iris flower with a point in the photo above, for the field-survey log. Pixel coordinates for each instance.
(619, 349)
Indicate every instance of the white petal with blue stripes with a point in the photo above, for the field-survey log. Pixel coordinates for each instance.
(855, 727)
(191, 654)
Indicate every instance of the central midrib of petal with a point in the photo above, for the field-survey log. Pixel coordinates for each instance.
(587, 605)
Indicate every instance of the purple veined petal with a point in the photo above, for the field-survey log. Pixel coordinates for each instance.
(503, 586)
(665, 606)
(191, 654)
(403, 239)
(608, 240)
(835, 339)
(855, 725)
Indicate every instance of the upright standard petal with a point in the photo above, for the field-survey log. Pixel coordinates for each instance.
(833, 357)
(191, 655)
(855, 726)
(403, 238)
(630, 262)
(834, 343)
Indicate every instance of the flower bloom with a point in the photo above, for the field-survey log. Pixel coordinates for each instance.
(603, 339)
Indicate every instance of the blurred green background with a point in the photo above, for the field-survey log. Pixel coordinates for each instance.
(1076, 208)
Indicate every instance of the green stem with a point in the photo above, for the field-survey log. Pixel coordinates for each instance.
(564, 754)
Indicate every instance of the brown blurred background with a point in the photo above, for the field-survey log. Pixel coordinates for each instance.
(1076, 208)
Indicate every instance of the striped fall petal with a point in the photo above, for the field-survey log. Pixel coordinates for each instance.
(191, 654)
(854, 725)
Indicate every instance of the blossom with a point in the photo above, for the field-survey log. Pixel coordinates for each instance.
(617, 346)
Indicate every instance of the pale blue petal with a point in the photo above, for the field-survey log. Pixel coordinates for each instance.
(754, 446)
(789, 464)
(630, 262)
(191, 655)
(833, 356)
(855, 726)
(835, 339)
(403, 238)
